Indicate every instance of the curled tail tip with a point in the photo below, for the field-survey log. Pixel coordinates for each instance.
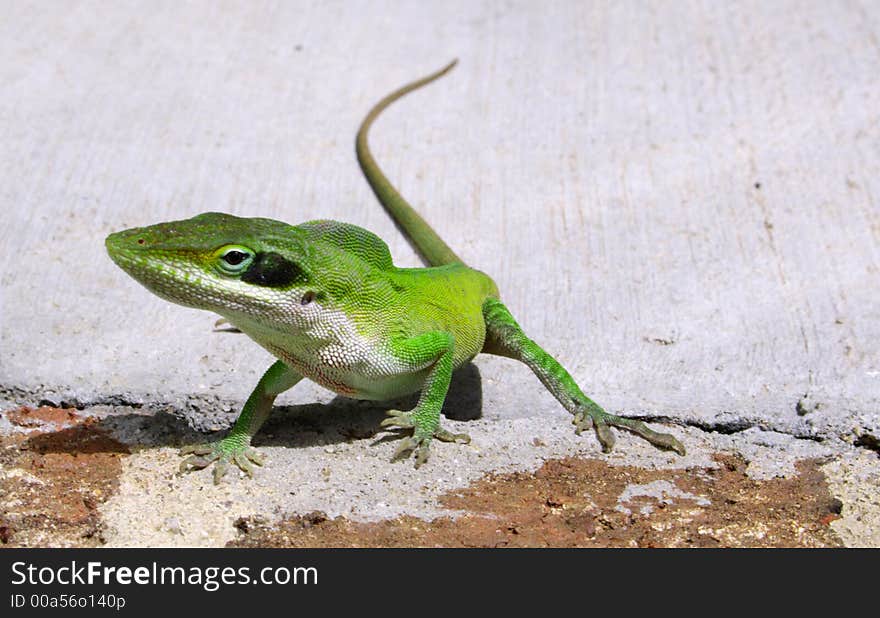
(449, 66)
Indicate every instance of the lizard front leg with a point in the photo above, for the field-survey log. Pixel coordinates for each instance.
(236, 446)
(504, 337)
(435, 351)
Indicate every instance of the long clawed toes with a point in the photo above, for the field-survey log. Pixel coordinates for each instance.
(255, 456)
(421, 446)
(583, 421)
(605, 436)
(410, 444)
(660, 440)
(243, 463)
(602, 424)
(203, 455)
(220, 469)
(200, 459)
(447, 436)
(669, 442)
(420, 442)
(422, 453)
(403, 449)
(398, 418)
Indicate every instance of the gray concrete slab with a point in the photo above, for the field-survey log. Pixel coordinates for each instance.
(677, 199)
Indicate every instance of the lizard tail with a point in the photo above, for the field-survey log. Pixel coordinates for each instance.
(421, 235)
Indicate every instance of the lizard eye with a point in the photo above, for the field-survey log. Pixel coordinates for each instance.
(234, 259)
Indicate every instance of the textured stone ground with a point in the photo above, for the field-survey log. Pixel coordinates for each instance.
(74, 478)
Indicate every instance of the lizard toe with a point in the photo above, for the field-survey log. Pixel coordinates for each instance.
(447, 436)
(221, 454)
(398, 418)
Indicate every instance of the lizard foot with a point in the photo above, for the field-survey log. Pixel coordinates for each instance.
(220, 454)
(419, 442)
(602, 422)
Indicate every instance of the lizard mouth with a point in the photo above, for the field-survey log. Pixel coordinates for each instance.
(160, 275)
(161, 279)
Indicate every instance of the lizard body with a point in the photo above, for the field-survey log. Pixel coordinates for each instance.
(325, 298)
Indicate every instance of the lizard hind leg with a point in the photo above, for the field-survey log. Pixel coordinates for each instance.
(504, 337)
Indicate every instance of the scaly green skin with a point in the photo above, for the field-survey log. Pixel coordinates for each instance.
(325, 298)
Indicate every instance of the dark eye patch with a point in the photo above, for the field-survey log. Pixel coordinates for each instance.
(273, 270)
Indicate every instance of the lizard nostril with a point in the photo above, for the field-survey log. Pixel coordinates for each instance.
(141, 241)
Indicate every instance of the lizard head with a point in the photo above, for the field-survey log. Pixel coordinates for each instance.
(245, 269)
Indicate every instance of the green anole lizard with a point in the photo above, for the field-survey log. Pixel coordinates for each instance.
(326, 300)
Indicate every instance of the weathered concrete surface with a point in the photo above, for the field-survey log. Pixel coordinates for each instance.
(107, 478)
(678, 199)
